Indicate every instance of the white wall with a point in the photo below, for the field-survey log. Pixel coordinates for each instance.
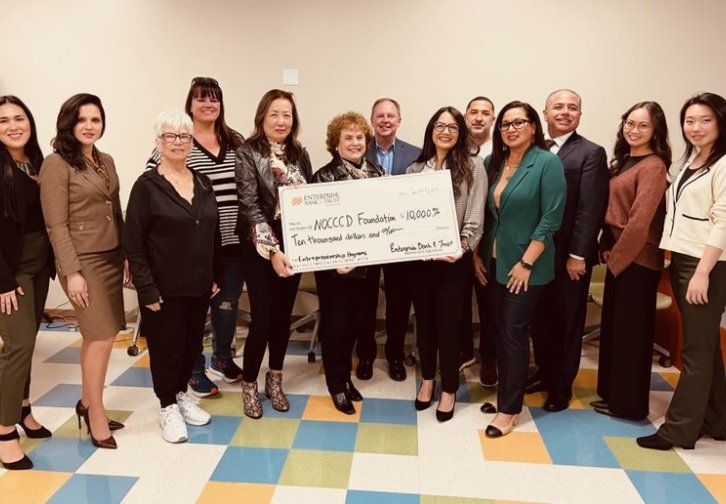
(139, 56)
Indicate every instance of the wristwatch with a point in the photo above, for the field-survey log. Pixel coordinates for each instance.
(525, 264)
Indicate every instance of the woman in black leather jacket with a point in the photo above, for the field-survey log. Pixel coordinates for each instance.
(270, 158)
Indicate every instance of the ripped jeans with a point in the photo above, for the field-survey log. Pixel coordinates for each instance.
(224, 307)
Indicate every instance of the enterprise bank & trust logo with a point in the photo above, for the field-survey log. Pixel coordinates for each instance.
(326, 198)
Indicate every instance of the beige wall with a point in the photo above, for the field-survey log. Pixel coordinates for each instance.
(139, 56)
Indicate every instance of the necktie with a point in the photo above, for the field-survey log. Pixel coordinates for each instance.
(550, 143)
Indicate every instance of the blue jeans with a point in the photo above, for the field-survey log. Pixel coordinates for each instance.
(224, 307)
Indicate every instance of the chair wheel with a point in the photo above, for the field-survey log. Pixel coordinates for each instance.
(133, 350)
(665, 361)
(410, 360)
(311, 357)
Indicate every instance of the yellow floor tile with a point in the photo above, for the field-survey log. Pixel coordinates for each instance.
(321, 408)
(716, 484)
(515, 447)
(216, 492)
(535, 400)
(30, 487)
(143, 361)
(671, 378)
(586, 378)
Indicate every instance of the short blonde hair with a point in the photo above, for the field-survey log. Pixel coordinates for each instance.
(173, 119)
(342, 121)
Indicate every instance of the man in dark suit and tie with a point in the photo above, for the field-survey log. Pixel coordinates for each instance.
(393, 156)
(559, 324)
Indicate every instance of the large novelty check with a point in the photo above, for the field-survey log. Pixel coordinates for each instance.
(372, 221)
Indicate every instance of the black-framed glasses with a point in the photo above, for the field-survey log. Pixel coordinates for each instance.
(184, 138)
(440, 127)
(204, 81)
(516, 124)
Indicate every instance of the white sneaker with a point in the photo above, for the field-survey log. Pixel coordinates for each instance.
(190, 411)
(172, 423)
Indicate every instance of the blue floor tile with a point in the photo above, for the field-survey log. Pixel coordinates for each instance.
(364, 497)
(576, 437)
(90, 488)
(391, 411)
(58, 325)
(61, 454)
(250, 465)
(667, 487)
(219, 431)
(297, 407)
(657, 382)
(333, 436)
(63, 395)
(134, 377)
(69, 355)
(302, 347)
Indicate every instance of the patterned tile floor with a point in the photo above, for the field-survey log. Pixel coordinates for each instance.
(386, 453)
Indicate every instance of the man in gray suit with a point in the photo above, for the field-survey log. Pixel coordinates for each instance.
(393, 156)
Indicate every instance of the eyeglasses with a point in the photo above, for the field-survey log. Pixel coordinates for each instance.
(631, 125)
(204, 81)
(440, 127)
(516, 124)
(184, 138)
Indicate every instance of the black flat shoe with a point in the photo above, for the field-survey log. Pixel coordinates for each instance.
(396, 371)
(352, 392)
(445, 416)
(607, 412)
(342, 403)
(554, 406)
(18, 465)
(488, 407)
(492, 431)
(364, 371)
(654, 442)
(535, 384)
(38, 433)
(422, 405)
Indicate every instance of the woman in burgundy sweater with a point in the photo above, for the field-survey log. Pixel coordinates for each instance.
(629, 247)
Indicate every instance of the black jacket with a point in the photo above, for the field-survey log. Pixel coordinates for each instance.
(172, 246)
(256, 188)
(27, 193)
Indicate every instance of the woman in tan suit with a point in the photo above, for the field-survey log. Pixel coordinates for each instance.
(79, 192)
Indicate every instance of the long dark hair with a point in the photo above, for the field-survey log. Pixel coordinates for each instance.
(65, 142)
(258, 140)
(8, 200)
(718, 105)
(458, 159)
(203, 87)
(659, 142)
(499, 150)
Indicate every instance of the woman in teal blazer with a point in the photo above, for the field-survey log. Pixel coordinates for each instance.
(524, 209)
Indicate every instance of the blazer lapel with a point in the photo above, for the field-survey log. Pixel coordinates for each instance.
(263, 166)
(518, 176)
(569, 146)
(96, 181)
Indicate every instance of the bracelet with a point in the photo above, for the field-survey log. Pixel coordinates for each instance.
(526, 265)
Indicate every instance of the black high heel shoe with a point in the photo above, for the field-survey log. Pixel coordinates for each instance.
(109, 442)
(113, 425)
(422, 405)
(445, 416)
(23, 463)
(38, 433)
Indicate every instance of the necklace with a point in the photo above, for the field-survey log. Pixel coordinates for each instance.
(509, 172)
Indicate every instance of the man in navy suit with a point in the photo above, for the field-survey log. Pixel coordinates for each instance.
(393, 156)
(559, 324)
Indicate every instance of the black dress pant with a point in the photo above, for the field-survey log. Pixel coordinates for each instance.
(510, 316)
(271, 301)
(397, 286)
(345, 316)
(626, 340)
(174, 336)
(557, 331)
(487, 345)
(439, 289)
(699, 401)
